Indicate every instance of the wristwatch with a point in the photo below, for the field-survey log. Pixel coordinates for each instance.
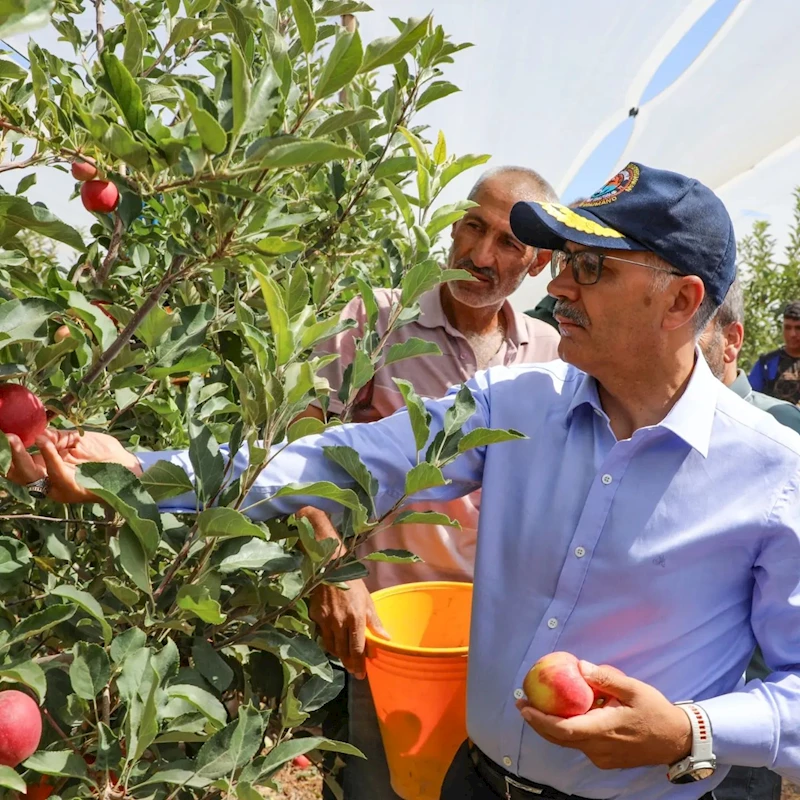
(701, 763)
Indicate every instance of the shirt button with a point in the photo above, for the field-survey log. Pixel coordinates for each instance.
(580, 552)
(519, 694)
(507, 761)
(552, 623)
(606, 479)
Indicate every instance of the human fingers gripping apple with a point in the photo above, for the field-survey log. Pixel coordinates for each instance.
(637, 726)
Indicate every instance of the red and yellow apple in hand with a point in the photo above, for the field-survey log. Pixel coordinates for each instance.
(21, 413)
(556, 686)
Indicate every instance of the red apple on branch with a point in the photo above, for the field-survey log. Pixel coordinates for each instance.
(83, 169)
(99, 196)
(20, 727)
(21, 413)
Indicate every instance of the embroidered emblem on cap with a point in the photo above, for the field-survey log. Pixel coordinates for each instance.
(624, 181)
(569, 218)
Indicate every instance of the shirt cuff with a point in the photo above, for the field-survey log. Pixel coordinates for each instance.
(742, 728)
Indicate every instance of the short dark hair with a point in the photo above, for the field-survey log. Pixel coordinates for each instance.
(792, 310)
(732, 309)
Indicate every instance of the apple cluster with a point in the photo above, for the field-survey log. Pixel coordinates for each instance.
(96, 195)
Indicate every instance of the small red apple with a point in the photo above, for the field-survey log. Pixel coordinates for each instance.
(83, 169)
(301, 762)
(100, 196)
(555, 686)
(20, 727)
(62, 332)
(40, 791)
(21, 413)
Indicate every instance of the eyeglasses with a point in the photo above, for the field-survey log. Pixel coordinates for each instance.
(588, 266)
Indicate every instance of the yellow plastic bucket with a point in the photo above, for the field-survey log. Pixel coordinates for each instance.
(418, 681)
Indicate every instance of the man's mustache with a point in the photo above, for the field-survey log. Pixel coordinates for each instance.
(564, 309)
(486, 272)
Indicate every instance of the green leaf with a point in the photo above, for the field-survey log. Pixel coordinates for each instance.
(240, 79)
(125, 91)
(436, 91)
(418, 415)
(19, 16)
(127, 642)
(188, 334)
(11, 70)
(135, 40)
(10, 779)
(394, 556)
(212, 134)
(133, 560)
(27, 181)
(255, 554)
(344, 119)
(307, 426)
(421, 278)
(411, 348)
(211, 665)
(390, 50)
(233, 746)
(461, 164)
(317, 692)
(87, 603)
(349, 460)
(198, 361)
(462, 409)
(306, 24)
(264, 100)
(65, 763)
(20, 213)
(298, 650)
(225, 523)
(349, 572)
(343, 64)
(89, 671)
(278, 317)
(165, 480)
(276, 246)
(357, 374)
(122, 592)
(121, 489)
(480, 437)
(208, 463)
(203, 701)
(397, 165)
(26, 672)
(177, 777)
(445, 216)
(426, 518)
(197, 600)
(286, 751)
(39, 622)
(345, 497)
(119, 142)
(15, 561)
(94, 316)
(108, 751)
(403, 204)
(301, 152)
(423, 476)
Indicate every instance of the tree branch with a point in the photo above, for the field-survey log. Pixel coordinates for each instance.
(101, 31)
(113, 251)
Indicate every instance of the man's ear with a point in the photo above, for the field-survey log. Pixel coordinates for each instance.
(734, 339)
(541, 258)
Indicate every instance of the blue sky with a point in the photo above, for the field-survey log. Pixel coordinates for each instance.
(599, 165)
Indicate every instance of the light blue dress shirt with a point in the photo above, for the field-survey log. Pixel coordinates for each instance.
(667, 555)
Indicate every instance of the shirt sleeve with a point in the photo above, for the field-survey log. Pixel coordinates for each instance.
(343, 345)
(787, 414)
(758, 725)
(386, 447)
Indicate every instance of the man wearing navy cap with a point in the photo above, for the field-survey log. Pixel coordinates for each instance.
(648, 524)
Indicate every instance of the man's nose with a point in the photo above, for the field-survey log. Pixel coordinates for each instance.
(564, 286)
(484, 252)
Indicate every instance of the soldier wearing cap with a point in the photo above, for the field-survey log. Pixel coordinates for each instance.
(649, 523)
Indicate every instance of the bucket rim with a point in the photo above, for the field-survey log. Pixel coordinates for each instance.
(407, 649)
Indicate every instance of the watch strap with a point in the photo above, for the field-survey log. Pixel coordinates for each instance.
(702, 742)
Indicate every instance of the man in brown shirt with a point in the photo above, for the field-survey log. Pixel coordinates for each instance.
(475, 327)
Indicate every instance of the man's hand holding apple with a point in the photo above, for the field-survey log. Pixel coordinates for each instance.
(634, 726)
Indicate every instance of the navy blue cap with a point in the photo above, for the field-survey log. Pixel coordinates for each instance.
(641, 208)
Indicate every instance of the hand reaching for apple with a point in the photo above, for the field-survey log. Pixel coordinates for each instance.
(60, 452)
(636, 727)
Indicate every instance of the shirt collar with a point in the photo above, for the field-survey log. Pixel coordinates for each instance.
(690, 419)
(432, 316)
